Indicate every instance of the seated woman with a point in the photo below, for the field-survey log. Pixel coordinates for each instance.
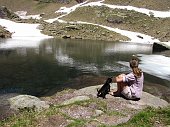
(130, 85)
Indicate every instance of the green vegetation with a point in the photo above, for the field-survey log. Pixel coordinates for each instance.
(148, 117)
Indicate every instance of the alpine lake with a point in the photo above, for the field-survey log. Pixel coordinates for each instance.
(42, 68)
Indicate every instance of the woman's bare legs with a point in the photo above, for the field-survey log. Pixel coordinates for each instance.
(120, 87)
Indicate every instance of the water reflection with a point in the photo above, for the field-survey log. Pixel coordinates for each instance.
(125, 47)
(40, 66)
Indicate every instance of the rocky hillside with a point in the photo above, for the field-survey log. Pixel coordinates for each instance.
(115, 18)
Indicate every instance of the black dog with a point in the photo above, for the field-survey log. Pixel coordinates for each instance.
(105, 89)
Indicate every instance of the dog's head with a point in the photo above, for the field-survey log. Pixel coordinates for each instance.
(109, 80)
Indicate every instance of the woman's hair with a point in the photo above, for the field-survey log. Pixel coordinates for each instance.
(134, 62)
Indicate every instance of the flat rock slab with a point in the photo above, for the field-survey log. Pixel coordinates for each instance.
(79, 112)
(146, 100)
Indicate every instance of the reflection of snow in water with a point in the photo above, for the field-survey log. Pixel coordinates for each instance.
(88, 68)
(20, 42)
(48, 50)
(128, 48)
(114, 68)
(64, 59)
(156, 65)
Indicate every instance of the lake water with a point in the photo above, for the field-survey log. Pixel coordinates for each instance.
(47, 66)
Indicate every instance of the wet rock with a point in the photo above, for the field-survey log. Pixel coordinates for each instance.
(66, 36)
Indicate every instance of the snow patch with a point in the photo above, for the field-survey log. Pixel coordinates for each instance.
(23, 15)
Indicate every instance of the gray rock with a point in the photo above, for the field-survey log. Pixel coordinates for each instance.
(27, 101)
(40, 27)
(145, 101)
(99, 112)
(92, 90)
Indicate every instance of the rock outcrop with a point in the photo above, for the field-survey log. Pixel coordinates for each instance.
(4, 33)
(6, 13)
(84, 104)
(146, 100)
(27, 101)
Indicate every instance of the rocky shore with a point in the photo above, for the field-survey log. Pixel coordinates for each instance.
(4, 33)
(73, 105)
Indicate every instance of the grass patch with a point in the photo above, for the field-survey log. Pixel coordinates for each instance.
(149, 117)
(77, 123)
(146, 118)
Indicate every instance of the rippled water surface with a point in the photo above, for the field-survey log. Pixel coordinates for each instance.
(51, 65)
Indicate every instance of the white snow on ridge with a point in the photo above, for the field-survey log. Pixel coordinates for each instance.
(160, 14)
(22, 15)
(22, 29)
(65, 12)
(70, 9)
(134, 36)
(28, 31)
(23, 34)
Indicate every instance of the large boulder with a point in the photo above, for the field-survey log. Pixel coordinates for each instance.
(27, 101)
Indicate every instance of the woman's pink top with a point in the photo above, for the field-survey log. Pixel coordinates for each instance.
(135, 84)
